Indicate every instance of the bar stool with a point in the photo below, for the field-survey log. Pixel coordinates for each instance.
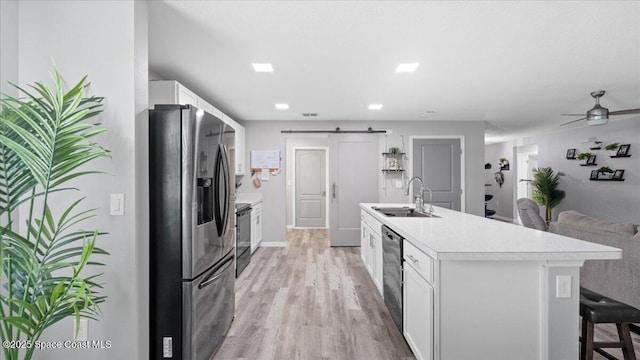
(599, 309)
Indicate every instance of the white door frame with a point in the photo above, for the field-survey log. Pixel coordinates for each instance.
(463, 194)
(326, 183)
(519, 154)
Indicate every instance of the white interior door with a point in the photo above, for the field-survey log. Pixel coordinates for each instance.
(353, 179)
(437, 163)
(311, 188)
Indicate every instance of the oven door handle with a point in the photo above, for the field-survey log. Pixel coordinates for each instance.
(220, 270)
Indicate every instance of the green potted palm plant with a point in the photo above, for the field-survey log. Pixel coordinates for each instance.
(545, 190)
(45, 142)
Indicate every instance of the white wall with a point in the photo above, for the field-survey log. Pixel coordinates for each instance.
(502, 201)
(107, 41)
(615, 201)
(266, 135)
(473, 132)
(9, 61)
(9, 43)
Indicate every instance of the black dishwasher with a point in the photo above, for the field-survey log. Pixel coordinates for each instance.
(392, 273)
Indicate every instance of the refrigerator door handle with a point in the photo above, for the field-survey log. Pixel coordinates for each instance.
(218, 210)
(219, 271)
(225, 169)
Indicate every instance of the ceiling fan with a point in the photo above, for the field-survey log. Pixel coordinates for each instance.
(599, 115)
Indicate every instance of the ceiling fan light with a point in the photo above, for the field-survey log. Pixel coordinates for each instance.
(597, 121)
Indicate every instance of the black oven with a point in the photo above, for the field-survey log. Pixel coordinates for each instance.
(243, 236)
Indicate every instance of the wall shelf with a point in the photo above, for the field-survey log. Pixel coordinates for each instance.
(393, 162)
(619, 156)
(588, 164)
(607, 179)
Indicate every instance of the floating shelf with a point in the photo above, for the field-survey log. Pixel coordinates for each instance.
(619, 156)
(595, 148)
(588, 164)
(394, 154)
(393, 170)
(606, 179)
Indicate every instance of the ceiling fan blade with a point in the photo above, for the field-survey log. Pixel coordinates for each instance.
(571, 122)
(572, 114)
(625, 112)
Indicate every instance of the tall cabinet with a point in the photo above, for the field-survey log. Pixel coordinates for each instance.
(172, 92)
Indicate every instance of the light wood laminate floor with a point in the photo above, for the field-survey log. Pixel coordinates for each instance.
(310, 301)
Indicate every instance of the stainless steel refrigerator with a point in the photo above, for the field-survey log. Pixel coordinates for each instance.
(192, 232)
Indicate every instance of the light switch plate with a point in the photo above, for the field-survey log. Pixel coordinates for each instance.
(117, 204)
(563, 286)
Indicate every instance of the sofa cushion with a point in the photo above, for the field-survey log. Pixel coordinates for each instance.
(577, 219)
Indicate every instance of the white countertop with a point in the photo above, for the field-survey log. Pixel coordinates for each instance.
(249, 198)
(459, 236)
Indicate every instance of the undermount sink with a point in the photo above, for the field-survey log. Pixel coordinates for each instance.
(401, 212)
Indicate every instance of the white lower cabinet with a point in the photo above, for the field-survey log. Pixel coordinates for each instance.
(365, 246)
(377, 258)
(417, 312)
(371, 248)
(256, 226)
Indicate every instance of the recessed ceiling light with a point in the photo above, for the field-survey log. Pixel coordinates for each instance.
(282, 106)
(407, 67)
(262, 67)
(375, 106)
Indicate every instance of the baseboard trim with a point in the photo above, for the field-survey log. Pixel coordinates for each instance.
(272, 244)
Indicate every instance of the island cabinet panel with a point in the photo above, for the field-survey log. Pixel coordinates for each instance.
(481, 302)
(417, 312)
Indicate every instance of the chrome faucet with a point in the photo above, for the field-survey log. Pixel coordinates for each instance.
(419, 202)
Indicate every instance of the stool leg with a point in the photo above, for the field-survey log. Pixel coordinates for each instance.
(625, 338)
(587, 340)
(583, 340)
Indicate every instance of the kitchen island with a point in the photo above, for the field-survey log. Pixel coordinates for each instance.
(476, 288)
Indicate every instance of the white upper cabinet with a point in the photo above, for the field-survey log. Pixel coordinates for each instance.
(172, 92)
(240, 144)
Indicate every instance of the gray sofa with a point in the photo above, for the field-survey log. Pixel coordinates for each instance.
(617, 279)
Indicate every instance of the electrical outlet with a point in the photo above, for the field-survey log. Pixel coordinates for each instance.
(563, 286)
(82, 329)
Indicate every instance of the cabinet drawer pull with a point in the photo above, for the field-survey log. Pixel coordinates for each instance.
(414, 260)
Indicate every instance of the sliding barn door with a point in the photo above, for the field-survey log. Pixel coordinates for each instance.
(353, 179)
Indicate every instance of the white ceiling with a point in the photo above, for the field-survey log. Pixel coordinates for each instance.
(515, 64)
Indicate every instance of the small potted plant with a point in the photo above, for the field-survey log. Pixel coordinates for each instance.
(504, 164)
(612, 148)
(605, 170)
(584, 156)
